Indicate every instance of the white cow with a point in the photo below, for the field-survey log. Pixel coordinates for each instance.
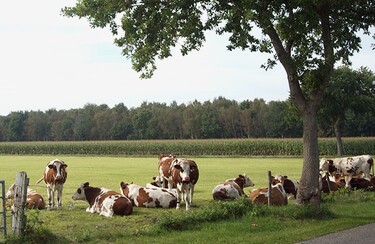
(349, 167)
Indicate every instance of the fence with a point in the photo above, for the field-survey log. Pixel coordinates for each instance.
(3, 209)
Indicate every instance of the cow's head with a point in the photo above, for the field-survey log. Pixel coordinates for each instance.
(247, 181)
(184, 169)
(10, 192)
(59, 167)
(80, 193)
(327, 165)
(157, 181)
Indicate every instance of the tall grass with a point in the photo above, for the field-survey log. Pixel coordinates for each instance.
(224, 147)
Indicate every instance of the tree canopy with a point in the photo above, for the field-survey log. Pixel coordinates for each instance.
(306, 37)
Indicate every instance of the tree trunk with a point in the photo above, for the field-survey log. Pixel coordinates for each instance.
(309, 183)
(340, 147)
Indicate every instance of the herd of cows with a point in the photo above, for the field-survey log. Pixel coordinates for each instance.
(177, 178)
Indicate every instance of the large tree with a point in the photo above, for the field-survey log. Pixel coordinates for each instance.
(307, 37)
(348, 90)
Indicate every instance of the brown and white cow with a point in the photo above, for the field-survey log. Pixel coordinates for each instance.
(181, 174)
(103, 201)
(279, 196)
(326, 184)
(34, 200)
(348, 167)
(232, 188)
(290, 185)
(149, 197)
(55, 176)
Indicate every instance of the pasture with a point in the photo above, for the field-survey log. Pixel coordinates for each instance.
(72, 224)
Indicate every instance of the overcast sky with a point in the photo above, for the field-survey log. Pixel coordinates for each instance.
(50, 61)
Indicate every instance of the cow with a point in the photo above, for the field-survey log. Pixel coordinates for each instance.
(278, 195)
(232, 188)
(326, 184)
(357, 183)
(348, 167)
(154, 197)
(290, 185)
(181, 174)
(34, 200)
(157, 182)
(103, 201)
(55, 176)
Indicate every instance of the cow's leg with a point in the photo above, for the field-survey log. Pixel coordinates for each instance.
(191, 194)
(59, 196)
(49, 195)
(187, 197)
(348, 178)
(178, 195)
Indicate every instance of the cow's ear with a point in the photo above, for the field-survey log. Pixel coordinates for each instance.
(85, 184)
(122, 184)
(285, 177)
(65, 165)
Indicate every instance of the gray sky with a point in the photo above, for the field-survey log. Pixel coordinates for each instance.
(49, 61)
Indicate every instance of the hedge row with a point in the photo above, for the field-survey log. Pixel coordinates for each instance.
(224, 147)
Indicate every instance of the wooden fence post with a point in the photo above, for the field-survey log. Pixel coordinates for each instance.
(20, 194)
(269, 188)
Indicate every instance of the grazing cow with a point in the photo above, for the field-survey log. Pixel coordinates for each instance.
(181, 174)
(34, 200)
(232, 188)
(55, 176)
(290, 186)
(278, 195)
(348, 167)
(103, 201)
(148, 197)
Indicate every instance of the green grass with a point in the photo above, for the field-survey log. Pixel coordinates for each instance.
(207, 221)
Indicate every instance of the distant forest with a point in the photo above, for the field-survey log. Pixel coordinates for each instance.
(220, 118)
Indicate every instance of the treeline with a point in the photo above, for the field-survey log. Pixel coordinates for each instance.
(220, 118)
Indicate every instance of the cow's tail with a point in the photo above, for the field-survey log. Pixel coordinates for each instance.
(39, 180)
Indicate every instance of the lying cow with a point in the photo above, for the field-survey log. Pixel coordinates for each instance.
(148, 197)
(232, 189)
(326, 184)
(290, 186)
(278, 195)
(103, 201)
(348, 167)
(34, 200)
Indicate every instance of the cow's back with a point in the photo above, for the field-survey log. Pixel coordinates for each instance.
(122, 206)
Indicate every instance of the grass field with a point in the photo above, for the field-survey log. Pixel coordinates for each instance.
(73, 225)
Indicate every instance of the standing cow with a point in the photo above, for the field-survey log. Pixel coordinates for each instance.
(55, 176)
(232, 189)
(34, 200)
(154, 197)
(103, 201)
(348, 167)
(181, 174)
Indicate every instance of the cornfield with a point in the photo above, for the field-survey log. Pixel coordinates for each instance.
(217, 147)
